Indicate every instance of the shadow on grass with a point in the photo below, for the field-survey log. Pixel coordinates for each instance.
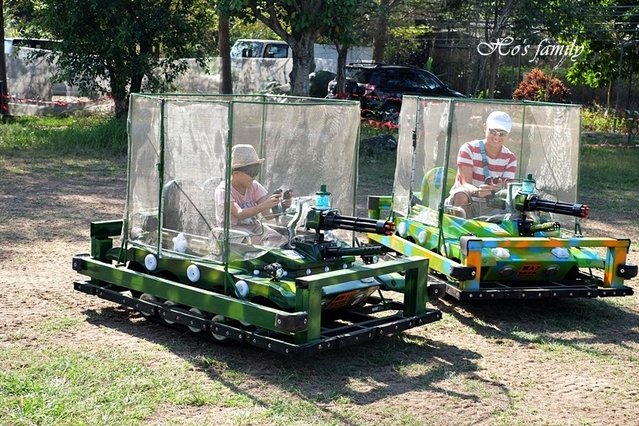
(575, 323)
(390, 366)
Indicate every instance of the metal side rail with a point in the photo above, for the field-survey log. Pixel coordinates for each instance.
(500, 290)
(368, 328)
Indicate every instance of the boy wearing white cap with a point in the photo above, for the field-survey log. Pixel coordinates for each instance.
(484, 166)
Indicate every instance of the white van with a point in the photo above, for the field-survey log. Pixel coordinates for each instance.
(253, 48)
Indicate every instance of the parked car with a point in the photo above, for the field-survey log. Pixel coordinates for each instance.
(253, 48)
(380, 87)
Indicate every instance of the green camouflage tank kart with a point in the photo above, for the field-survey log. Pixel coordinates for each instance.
(310, 289)
(524, 240)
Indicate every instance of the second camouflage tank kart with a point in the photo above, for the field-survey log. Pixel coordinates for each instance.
(525, 239)
(295, 280)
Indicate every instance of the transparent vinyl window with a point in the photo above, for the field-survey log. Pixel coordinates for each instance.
(544, 139)
(179, 168)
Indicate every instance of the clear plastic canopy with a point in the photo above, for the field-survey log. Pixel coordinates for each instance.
(180, 152)
(544, 138)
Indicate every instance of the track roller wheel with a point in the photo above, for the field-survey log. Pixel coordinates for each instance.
(218, 337)
(169, 303)
(195, 312)
(147, 298)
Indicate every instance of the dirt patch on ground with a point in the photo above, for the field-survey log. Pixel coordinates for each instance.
(550, 362)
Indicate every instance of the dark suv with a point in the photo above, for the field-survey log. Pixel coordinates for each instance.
(380, 87)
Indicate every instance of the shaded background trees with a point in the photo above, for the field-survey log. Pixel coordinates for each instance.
(300, 23)
(122, 42)
(130, 42)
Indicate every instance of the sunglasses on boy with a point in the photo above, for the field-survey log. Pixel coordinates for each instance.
(497, 132)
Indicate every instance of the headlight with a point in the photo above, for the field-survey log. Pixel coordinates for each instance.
(560, 252)
(501, 252)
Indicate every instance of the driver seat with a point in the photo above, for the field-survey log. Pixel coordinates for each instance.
(436, 181)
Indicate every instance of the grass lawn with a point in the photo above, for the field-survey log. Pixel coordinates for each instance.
(70, 359)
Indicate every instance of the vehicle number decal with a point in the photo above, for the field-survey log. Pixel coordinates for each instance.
(341, 300)
(529, 270)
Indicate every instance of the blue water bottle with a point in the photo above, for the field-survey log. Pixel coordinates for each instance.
(528, 185)
(322, 199)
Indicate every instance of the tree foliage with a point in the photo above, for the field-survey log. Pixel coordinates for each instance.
(607, 29)
(121, 42)
(407, 45)
(299, 23)
(353, 29)
(243, 29)
(381, 19)
(113, 47)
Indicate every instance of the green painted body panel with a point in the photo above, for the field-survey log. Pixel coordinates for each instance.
(291, 277)
(270, 304)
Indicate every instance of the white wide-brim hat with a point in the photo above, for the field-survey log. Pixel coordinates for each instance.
(243, 155)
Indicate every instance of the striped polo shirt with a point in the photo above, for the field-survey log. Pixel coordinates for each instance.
(503, 166)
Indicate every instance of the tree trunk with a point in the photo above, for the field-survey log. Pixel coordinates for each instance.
(120, 100)
(224, 44)
(303, 60)
(121, 107)
(4, 99)
(342, 53)
(494, 64)
(381, 30)
(120, 93)
(499, 24)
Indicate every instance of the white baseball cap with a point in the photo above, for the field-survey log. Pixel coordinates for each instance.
(499, 120)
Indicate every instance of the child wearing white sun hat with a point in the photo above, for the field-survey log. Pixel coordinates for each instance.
(249, 199)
